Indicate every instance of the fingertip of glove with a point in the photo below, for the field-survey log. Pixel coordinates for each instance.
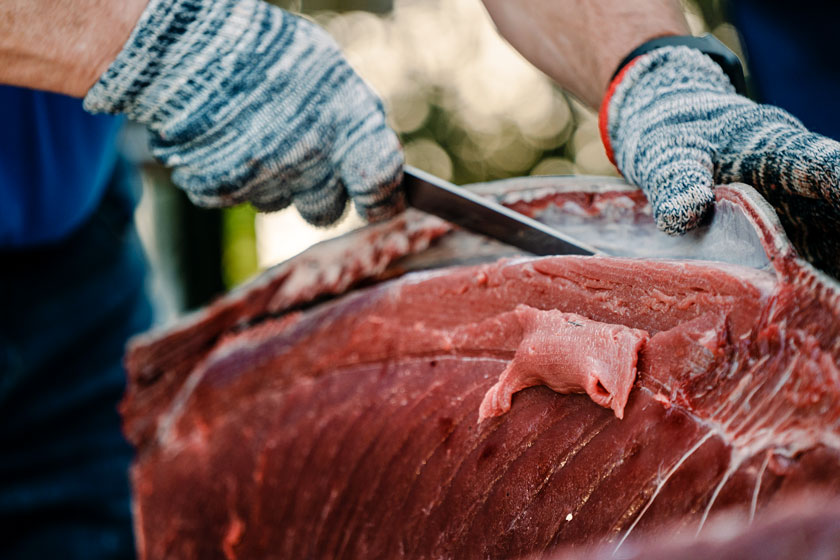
(384, 209)
(374, 182)
(322, 207)
(385, 199)
(684, 211)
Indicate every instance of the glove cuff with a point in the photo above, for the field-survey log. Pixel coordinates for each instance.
(179, 54)
(603, 110)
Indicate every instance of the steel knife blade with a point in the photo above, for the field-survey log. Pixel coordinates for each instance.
(458, 205)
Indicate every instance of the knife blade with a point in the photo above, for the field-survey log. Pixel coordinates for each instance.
(479, 215)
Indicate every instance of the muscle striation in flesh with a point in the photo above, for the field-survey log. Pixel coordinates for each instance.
(330, 408)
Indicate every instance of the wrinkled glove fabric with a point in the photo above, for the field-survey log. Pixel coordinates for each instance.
(250, 103)
(674, 126)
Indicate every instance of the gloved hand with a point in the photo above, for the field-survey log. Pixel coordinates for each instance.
(673, 125)
(250, 103)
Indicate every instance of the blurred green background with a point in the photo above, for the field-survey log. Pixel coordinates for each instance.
(467, 108)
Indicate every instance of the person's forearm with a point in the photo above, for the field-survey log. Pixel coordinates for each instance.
(62, 45)
(579, 43)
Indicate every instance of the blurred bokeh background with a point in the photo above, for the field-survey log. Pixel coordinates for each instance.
(467, 107)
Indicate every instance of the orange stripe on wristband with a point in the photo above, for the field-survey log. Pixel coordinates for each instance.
(602, 114)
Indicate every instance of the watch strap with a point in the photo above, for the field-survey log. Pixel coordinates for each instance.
(708, 44)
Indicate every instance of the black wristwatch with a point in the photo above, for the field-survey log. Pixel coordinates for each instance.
(708, 44)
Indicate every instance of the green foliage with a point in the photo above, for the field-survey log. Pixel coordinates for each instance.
(239, 249)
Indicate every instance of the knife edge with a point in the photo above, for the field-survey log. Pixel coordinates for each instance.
(472, 212)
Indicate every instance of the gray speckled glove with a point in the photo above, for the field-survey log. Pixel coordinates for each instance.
(675, 126)
(250, 103)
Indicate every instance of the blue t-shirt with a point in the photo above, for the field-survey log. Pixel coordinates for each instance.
(55, 163)
(792, 53)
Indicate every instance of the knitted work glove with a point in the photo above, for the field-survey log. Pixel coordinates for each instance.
(250, 103)
(673, 125)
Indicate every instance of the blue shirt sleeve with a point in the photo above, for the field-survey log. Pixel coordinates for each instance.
(55, 163)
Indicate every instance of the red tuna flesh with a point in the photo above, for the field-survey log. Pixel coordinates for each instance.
(805, 527)
(270, 425)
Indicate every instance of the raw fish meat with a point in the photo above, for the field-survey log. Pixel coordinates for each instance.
(330, 408)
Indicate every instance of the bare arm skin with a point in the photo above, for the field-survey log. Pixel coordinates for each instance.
(578, 43)
(62, 45)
